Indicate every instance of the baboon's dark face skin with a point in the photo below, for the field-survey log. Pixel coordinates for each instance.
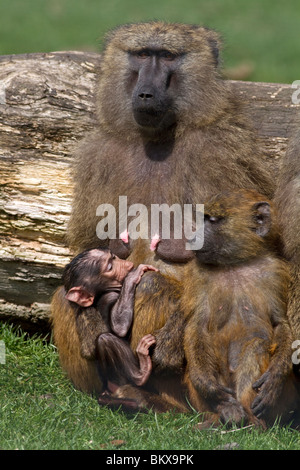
(153, 83)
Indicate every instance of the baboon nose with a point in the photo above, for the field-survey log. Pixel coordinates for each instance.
(145, 96)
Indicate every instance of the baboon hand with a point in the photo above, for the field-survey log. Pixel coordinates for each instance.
(231, 411)
(135, 276)
(144, 344)
(268, 386)
(142, 351)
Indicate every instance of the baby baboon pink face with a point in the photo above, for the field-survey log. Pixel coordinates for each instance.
(113, 270)
(92, 272)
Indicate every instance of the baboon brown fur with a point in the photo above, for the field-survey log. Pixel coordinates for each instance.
(287, 199)
(237, 340)
(170, 130)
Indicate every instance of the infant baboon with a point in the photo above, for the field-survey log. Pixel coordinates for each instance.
(101, 288)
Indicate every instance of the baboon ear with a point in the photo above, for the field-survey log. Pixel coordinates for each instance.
(215, 45)
(80, 296)
(215, 50)
(262, 217)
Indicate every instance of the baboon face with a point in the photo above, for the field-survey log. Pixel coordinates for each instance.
(114, 270)
(152, 84)
(237, 227)
(93, 272)
(154, 75)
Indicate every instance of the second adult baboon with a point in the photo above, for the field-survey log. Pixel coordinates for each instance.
(237, 337)
(287, 198)
(170, 131)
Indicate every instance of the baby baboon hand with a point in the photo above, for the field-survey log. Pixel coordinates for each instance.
(136, 275)
(144, 345)
(142, 351)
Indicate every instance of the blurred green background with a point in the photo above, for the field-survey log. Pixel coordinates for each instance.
(261, 37)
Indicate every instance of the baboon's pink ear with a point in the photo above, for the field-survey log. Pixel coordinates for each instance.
(80, 296)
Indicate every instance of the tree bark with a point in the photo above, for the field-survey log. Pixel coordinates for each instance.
(47, 104)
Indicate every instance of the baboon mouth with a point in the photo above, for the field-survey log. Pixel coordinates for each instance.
(149, 112)
(154, 118)
(148, 117)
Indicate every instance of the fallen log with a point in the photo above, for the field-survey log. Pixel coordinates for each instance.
(47, 104)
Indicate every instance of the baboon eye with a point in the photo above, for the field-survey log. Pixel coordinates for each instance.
(143, 54)
(167, 55)
(109, 267)
(212, 219)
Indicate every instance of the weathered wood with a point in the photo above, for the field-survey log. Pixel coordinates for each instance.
(46, 106)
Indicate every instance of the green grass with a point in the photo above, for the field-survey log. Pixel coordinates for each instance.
(40, 409)
(262, 33)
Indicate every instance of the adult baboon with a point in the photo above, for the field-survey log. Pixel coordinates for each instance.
(170, 131)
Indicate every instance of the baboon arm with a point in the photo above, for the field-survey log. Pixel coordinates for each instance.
(169, 352)
(121, 313)
(270, 385)
(282, 347)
